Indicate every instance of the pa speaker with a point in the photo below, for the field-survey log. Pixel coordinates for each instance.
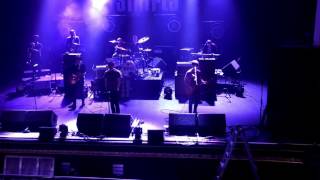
(90, 124)
(212, 125)
(45, 118)
(13, 120)
(182, 124)
(117, 125)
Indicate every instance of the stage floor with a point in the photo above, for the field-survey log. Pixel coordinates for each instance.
(246, 110)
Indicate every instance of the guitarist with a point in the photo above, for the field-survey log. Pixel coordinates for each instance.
(193, 81)
(76, 83)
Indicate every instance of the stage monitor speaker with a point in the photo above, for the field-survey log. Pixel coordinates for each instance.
(182, 124)
(117, 125)
(182, 68)
(13, 120)
(212, 125)
(90, 124)
(47, 133)
(155, 137)
(44, 118)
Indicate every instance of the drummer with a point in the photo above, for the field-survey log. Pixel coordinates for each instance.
(135, 47)
(119, 49)
(121, 54)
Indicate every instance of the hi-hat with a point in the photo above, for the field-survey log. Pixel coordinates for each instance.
(147, 50)
(121, 48)
(143, 40)
(116, 41)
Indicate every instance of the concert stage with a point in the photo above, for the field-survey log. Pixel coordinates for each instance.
(247, 110)
(250, 63)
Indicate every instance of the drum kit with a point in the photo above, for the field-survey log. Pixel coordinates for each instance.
(140, 56)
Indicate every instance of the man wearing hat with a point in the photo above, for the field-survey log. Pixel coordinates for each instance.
(193, 81)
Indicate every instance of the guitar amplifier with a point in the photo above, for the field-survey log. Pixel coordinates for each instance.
(207, 68)
(99, 70)
(182, 68)
(69, 59)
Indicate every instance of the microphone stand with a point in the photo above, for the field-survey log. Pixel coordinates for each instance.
(33, 84)
(196, 115)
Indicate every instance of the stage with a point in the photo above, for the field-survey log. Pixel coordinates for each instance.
(154, 113)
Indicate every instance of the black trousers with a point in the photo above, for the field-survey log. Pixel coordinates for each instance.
(194, 99)
(114, 98)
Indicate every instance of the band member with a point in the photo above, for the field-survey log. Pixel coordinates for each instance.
(209, 47)
(34, 51)
(76, 83)
(135, 47)
(208, 70)
(193, 81)
(73, 42)
(119, 49)
(129, 72)
(112, 84)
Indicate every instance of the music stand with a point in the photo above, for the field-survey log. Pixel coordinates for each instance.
(232, 71)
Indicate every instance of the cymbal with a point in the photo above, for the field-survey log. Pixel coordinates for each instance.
(121, 48)
(186, 49)
(116, 41)
(204, 54)
(124, 55)
(143, 40)
(147, 50)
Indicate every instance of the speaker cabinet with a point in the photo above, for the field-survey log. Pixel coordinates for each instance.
(182, 124)
(17, 121)
(155, 137)
(117, 125)
(204, 124)
(90, 124)
(13, 120)
(37, 119)
(212, 125)
(47, 133)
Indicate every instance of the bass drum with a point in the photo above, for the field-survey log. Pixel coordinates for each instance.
(115, 60)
